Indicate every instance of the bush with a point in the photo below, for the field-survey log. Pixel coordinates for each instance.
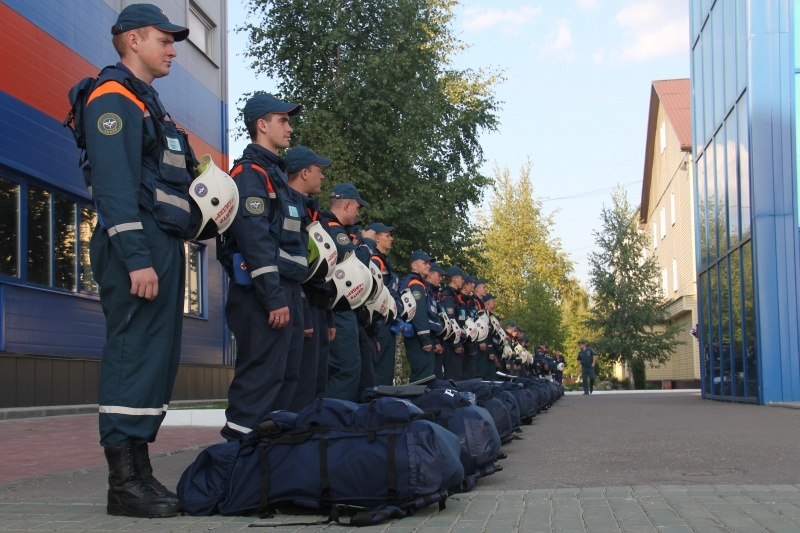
(639, 373)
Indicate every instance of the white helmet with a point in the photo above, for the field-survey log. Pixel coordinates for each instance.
(377, 284)
(472, 328)
(457, 331)
(322, 253)
(518, 349)
(495, 323)
(391, 312)
(507, 351)
(216, 196)
(447, 327)
(353, 283)
(484, 326)
(379, 308)
(409, 305)
(561, 366)
(526, 356)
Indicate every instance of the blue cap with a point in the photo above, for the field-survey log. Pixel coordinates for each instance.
(489, 297)
(456, 271)
(511, 324)
(468, 279)
(347, 191)
(142, 15)
(435, 267)
(301, 157)
(479, 281)
(261, 104)
(419, 254)
(379, 227)
(581, 341)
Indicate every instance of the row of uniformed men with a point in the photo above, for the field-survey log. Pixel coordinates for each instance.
(314, 302)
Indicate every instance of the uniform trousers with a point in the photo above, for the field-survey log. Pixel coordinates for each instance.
(384, 363)
(267, 366)
(143, 338)
(420, 361)
(452, 362)
(314, 359)
(344, 359)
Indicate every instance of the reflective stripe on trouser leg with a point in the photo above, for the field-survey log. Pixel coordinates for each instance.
(142, 350)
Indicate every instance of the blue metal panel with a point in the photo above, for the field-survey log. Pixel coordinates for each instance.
(26, 134)
(774, 236)
(85, 27)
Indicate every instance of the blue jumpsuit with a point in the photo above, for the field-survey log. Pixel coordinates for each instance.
(134, 147)
(420, 361)
(269, 235)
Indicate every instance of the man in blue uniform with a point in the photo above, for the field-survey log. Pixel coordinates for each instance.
(344, 358)
(453, 351)
(587, 358)
(434, 280)
(470, 347)
(268, 245)
(419, 348)
(137, 254)
(304, 169)
(384, 362)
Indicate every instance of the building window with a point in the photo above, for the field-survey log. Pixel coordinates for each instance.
(672, 208)
(193, 296)
(663, 222)
(662, 133)
(674, 275)
(201, 30)
(664, 286)
(9, 228)
(655, 235)
(88, 220)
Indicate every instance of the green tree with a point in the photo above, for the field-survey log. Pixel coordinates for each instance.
(381, 99)
(629, 309)
(522, 260)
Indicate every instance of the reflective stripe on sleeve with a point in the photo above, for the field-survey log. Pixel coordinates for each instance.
(426, 332)
(263, 270)
(171, 199)
(128, 226)
(300, 260)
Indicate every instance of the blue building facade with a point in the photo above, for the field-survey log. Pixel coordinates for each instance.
(51, 323)
(744, 63)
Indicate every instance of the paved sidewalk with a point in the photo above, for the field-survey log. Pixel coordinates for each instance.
(599, 463)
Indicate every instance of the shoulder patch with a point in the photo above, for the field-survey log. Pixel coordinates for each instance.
(254, 205)
(109, 124)
(343, 238)
(417, 295)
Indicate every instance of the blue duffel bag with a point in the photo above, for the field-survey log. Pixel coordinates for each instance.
(382, 459)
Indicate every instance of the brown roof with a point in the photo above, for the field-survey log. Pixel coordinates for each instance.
(675, 96)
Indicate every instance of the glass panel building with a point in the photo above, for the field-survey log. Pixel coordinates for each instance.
(744, 64)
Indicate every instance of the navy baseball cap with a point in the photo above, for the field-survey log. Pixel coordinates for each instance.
(581, 341)
(142, 15)
(301, 157)
(489, 297)
(479, 281)
(469, 279)
(261, 104)
(435, 267)
(419, 254)
(379, 227)
(511, 324)
(456, 271)
(347, 191)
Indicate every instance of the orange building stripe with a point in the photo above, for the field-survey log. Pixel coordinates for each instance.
(40, 71)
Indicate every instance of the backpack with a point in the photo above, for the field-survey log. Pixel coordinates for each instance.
(78, 96)
(375, 461)
(458, 413)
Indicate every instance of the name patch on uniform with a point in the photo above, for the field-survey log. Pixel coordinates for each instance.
(342, 238)
(254, 205)
(173, 144)
(293, 211)
(417, 295)
(109, 124)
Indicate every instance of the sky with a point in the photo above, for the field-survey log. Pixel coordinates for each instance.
(574, 102)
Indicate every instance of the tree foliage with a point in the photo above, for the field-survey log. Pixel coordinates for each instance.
(382, 100)
(522, 260)
(629, 310)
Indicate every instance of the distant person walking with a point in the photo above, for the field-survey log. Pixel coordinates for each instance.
(587, 358)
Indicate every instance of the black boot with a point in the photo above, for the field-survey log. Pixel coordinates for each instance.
(127, 493)
(591, 386)
(142, 455)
